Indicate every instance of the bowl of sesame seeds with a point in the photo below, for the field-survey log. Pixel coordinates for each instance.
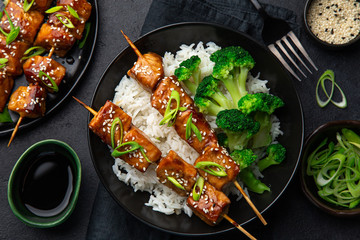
(333, 23)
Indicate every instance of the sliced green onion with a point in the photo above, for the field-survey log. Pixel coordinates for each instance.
(196, 131)
(330, 76)
(207, 166)
(35, 51)
(73, 12)
(170, 114)
(67, 23)
(27, 5)
(87, 30)
(53, 9)
(14, 32)
(176, 183)
(134, 146)
(199, 184)
(191, 126)
(114, 124)
(3, 62)
(5, 116)
(336, 169)
(188, 127)
(53, 86)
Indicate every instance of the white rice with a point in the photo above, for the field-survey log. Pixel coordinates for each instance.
(136, 102)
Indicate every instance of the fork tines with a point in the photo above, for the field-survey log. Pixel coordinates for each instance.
(285, 39)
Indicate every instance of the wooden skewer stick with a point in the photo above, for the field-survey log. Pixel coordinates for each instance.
(51, 52)
(93, 112)
(239, 227)
(15, 130)
(237, 185)
(132, 45)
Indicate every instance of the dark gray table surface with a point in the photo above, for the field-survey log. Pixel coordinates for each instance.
(292, 217)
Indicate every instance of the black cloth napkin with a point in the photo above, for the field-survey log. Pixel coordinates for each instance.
(109, 220)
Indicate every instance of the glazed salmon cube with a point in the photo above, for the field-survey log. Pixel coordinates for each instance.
(174, 166)
(102, 121)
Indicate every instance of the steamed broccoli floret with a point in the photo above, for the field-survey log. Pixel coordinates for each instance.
(275, 155)
(187, 69)
(238, 127)
(262, 102)
(232, 65)
(243, 158)
(223, 140)
(263, 137)
(209, 98)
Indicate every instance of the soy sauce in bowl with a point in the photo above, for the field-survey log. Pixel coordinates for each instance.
(44, 184)
(48, 184)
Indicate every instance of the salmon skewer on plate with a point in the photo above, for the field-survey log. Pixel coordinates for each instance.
(205, 140)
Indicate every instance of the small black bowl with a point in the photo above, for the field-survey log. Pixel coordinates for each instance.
(318, 40)
(309, 188)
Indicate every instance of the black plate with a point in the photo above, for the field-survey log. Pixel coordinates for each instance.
(74, 72)
(169, 39)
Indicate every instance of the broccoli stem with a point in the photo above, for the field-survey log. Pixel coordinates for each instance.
(222, 100)
(237, 141)
(197, 77)
(242, 81)
(191, 86)
(252, 183)
(265, 163)
(231, 86)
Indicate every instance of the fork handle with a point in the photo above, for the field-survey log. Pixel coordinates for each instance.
(260, 9)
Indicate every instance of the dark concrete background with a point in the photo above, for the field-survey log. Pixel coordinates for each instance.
(292, 217)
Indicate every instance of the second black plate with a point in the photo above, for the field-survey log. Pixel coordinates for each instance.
(169, 39)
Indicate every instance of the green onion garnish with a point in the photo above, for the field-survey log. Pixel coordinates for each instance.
(87, 30)
(134, 146)
(67, 21)
(206, 166)
(3, 62)
(176, 183)
(335, 169)
(330, 76)
(199, 184)
(14, 32)
(53, 86)
(27, 5)
(170, 114)
(35, 51)
(116, 122)
(73, 12)
(191, 126)
(53, 9)
(5, 116)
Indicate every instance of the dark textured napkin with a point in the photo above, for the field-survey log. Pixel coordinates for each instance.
(109, 220)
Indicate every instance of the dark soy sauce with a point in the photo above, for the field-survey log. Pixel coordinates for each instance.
(70, 60)
(47, 184)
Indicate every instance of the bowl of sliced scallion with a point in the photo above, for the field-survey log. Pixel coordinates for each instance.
(330, 168)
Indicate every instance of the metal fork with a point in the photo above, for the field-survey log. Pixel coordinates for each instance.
(276, 32)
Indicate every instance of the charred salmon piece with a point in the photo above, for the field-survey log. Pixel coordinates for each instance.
(59, 38)
(136, 158)
(56, 21)
(211, 206)
(208, 136)
(147, 70)
(175, 167)
(13, 53)
(101, 123)
(52, 68)
(6, 86)
(220, 156)
(82, 7)
(161, 96)
(28, 22)
(28, 101)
